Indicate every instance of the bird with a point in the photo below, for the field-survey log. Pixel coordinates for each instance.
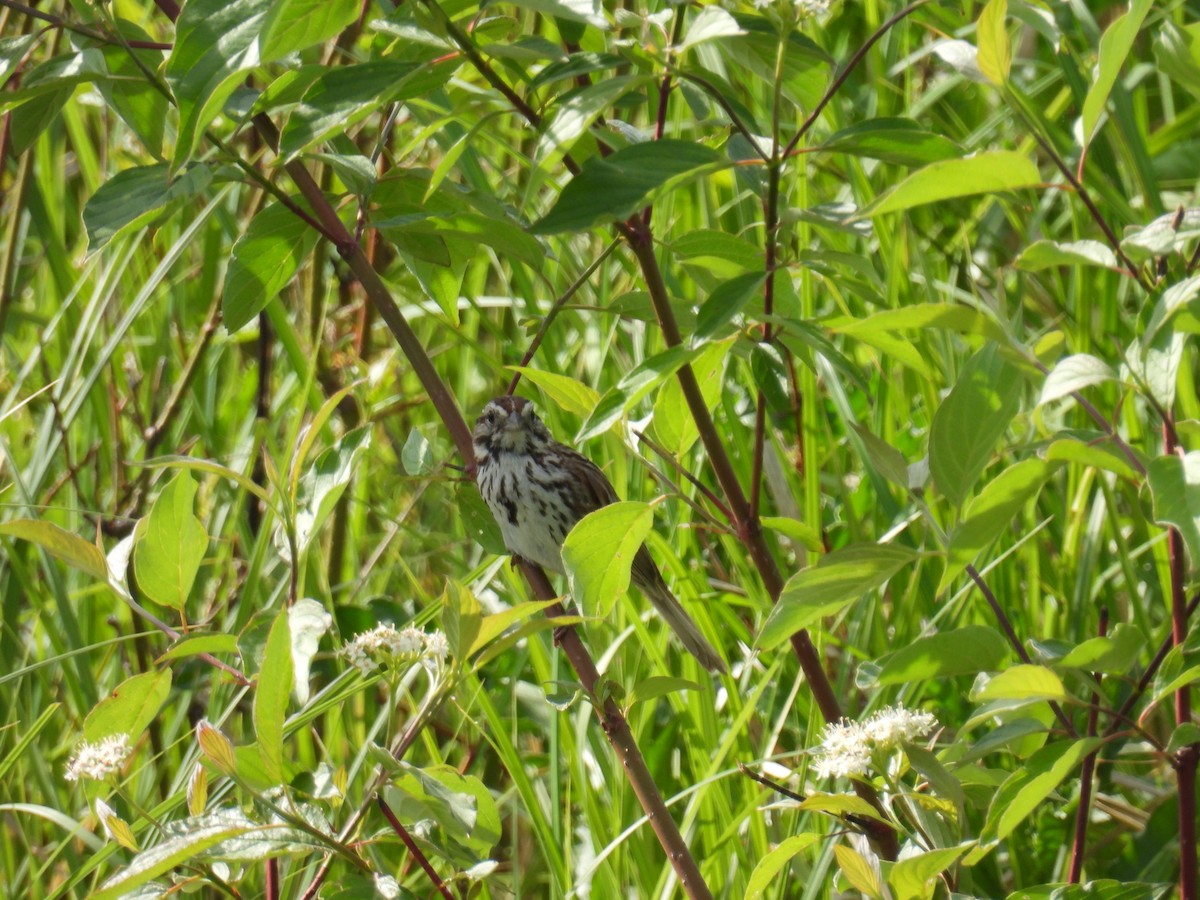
(537, 489)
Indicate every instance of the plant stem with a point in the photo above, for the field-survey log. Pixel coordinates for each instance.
(413, 848)
(749, 530)
(1079, 842)
(1187, 757)
(616, 729)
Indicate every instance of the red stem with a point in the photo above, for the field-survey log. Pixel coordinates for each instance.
(413, 848)
(1085, 775)
(1187, 757)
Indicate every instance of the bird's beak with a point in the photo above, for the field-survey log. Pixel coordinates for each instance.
(513, 422)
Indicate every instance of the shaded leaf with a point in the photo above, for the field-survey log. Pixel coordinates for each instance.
(822, 590)
(960, 651)
(264, 260)
(971, 420)
(985, 173)
(1046, 254)
(61, 544)
(1175, 486)
(614, 187)
(893, 140)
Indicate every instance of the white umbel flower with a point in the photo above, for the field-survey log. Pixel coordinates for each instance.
(384, 644)
(846, 747)
(845, 751)
(100, 760)
(894, 725)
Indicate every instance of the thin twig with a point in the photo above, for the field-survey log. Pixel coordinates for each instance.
(556, 308)
(1013, 639)
(413, 848)
(1083, 811)
(849, 67)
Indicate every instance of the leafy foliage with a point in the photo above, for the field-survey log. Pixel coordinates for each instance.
(905, 339)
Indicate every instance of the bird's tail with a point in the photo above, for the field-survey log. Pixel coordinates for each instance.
(681, 623)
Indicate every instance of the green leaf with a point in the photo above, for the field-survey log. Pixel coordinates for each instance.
(570, 395)
(164, 857)
(576, 113)
(1026, 788)
(1098, 455)
(460, 805)
(991, 513)
(275, 680)
(211, 468)
(674, 427)
(892, 140)
(1177, 52)
(1023, 682)
(995, 51)
(599, 551)
(462, 619)
(1047, 254)
(478, 521)
(703, 246)
(659, 686)
(725, 302)
(985, 173)
(587, 12)
(839, 805)
(200, 643)
(946, 316)
(711, 23)
(264, 260)
(961, 651)
(416, 458)
(795, 530)
(1115, 45)
(62, 545)
(216, 42)
(615, 187)
(491, 627)
(171, 543)
(294, 25)
(765, 872)
(58, 76)
(1074, 373)
(324, 483)
(883, 457)
(1175, 486)
(135, 197)
(822, 590)
(130, 708)
(632, 387)
(308, 621)
(1173, 299)
(912, 877)
(134, 98)
(1115, 653)
(862, 876)
(29, 120)
(971, 420)
(345, 95)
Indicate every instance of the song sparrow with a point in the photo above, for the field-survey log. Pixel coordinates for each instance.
(538, 489)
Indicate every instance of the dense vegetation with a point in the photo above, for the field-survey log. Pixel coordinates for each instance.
(882, 319)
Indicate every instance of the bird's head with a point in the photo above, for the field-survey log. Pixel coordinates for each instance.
(508, 425)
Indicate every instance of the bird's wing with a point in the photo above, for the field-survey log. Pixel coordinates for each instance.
(592, 489)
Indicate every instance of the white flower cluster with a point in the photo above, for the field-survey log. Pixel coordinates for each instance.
(384, 644)
(846, 746)
(804, 9)
(100, 760)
